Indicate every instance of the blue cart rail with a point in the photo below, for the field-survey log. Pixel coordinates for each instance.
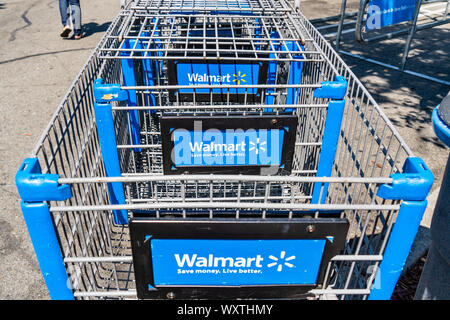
(189, 129)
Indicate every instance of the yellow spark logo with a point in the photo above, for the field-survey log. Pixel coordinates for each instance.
(239, 77)
(109, 96)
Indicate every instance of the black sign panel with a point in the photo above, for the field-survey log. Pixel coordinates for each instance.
(229, 145)
(233, 258)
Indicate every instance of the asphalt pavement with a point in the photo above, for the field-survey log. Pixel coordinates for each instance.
(36, 69)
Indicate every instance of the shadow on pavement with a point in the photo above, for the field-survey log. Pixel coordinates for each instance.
(93, 27)
(417, 96)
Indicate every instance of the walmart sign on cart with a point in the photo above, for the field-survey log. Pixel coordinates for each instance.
(227, 147)
(383, 13)
(235, 262)
(228, 144)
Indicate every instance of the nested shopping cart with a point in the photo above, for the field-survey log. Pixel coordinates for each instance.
(220, 153)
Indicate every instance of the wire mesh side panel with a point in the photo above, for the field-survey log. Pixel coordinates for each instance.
(369, 146)
(70, 148)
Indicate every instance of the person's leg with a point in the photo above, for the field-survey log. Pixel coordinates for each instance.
(63, 6)
(76, 16)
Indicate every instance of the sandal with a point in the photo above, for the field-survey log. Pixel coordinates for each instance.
(65, 32)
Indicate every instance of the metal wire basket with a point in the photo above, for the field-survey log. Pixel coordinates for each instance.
(101, 179)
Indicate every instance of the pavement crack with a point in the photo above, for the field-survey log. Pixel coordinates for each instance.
(12, 35)
(43, 54)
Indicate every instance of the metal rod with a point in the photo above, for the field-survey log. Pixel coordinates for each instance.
(410, 35)
(203, 58)
(223, 205)
(119, 293)
(117, 259)
(341, 23)
(357, 258)
(238, 198)
(273, 106)
(237, 178)
(223, 86)
(130, 16)
(341, 291)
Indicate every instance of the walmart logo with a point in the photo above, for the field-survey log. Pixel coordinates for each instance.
(280, 262)
(257, 146)
(197, 78)
(239, 77)
(229, 147)
(210, 260)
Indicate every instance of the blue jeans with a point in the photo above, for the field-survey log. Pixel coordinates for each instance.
(75, 12)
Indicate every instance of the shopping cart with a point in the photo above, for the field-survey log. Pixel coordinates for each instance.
(378, 20)
(283, 181)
